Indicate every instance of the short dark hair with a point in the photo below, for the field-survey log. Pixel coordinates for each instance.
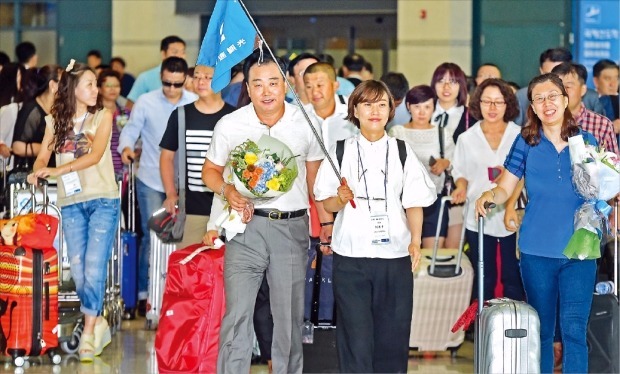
(555, 55)
(370, 91)
(512, 105)
(255, 58)
(295, 61)
(24, 52)
(165, 42)
(397, 83)
(566, 68)
(420, 94)
(354, 62)
(602, 65)
(368, 66)
(105, 74)
(514, 85)
(326, 57)
(174, 65)
(120, 60)
(457, 73)
(94, 52)
(4, 58)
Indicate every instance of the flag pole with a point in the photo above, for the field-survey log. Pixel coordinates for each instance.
(290, 87)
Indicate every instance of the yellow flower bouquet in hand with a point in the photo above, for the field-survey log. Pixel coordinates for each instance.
(263, 170)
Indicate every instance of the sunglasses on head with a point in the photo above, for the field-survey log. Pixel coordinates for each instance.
(170, 84)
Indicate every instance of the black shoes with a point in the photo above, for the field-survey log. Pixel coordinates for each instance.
(142, 308)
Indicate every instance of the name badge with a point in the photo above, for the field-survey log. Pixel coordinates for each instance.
(72, 184)
(380, 228)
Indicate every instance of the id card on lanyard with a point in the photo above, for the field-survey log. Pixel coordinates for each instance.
(379, 221)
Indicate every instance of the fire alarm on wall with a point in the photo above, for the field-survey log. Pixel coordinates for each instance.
(422, 13)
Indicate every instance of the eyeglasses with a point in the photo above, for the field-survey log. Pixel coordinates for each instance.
(170, 84)
(488, 103)
(451, 82)
(552, 97)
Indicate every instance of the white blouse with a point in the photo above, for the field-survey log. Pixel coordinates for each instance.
(352, 235)
(472, 158)
(425, 143)
(454, 116)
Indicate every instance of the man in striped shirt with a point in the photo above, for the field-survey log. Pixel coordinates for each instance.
(200, 119)
(574, 78)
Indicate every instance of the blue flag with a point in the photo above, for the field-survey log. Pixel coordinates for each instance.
(229, 39)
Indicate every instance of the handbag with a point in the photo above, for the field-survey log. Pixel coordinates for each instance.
(21, 169)
(169, 227)
(448, 184)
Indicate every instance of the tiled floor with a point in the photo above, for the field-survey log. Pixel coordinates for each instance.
(131, 351)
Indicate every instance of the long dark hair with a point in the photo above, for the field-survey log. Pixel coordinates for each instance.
(531, 132)
(63, 109)
(8, 84)
(38, 80)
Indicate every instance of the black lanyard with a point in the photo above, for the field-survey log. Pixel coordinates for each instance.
(385, 174)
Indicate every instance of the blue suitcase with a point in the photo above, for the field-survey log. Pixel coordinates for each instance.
(129, 251)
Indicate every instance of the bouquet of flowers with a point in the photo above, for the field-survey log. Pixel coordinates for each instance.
(596, 178)
(263, 170)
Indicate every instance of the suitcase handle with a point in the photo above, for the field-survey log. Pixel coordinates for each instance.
(487, 205)
(457, 268)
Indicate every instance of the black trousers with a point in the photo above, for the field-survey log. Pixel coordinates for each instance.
(374, 298)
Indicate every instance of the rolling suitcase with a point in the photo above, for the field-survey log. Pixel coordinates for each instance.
(507, 331)
(160, 252)
(603, 336)
(319, 337)
(128, 260)
(193, 306)
(442, 290)
(29, 279)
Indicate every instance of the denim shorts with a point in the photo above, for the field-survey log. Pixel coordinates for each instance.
(89, 230)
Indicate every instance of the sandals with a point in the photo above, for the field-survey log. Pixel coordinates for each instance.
(103, 336)
(87, 348)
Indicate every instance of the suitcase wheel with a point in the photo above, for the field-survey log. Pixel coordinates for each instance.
(71, 346)
(55, 357)
(19, 361)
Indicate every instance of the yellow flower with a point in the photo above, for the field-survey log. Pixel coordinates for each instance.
(250, 158)
(273, 184)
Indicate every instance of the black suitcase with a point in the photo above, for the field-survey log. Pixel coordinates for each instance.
(320, 355)
(603, 338)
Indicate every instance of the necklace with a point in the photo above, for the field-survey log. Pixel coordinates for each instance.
(81, 118)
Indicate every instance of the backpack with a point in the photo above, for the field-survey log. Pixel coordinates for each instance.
(402, 152)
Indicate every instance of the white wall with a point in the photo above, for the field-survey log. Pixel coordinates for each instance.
(138, 27)
(443, 36)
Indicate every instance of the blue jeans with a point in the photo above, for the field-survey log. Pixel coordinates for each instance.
(547, 280)
(149, 200)
(90, 229)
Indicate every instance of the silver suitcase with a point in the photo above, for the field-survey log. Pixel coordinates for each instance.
(507, 331)
(157, 279)
(510, 337)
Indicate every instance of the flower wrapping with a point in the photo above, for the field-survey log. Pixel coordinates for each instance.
(263, 170)
(596, 178)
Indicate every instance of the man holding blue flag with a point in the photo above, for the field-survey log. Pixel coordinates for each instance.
(230, 38)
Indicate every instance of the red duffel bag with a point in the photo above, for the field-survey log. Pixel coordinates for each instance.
(192, 310)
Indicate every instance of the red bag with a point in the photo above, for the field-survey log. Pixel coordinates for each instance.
(187, 338)
(28, 301)
(37, 230)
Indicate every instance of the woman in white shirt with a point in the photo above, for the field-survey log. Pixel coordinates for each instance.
(478, 159)
(423, 138)
(450, 85)
(377, 244)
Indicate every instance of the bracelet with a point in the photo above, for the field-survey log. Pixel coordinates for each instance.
(323, 224)
(222, 189)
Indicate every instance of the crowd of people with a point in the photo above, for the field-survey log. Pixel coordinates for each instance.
(477, 139)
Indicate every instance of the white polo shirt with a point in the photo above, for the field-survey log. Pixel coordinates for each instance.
(473, 166)
(335, 127)
(292, 129)
(352, 234)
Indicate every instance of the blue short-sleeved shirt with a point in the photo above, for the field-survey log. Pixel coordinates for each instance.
(548, 221)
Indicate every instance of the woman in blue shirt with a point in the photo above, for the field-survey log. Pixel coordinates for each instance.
(540, 154)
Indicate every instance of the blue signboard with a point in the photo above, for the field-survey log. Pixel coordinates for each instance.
(597, 33)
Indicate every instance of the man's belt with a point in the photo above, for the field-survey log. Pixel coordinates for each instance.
(276, 214)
